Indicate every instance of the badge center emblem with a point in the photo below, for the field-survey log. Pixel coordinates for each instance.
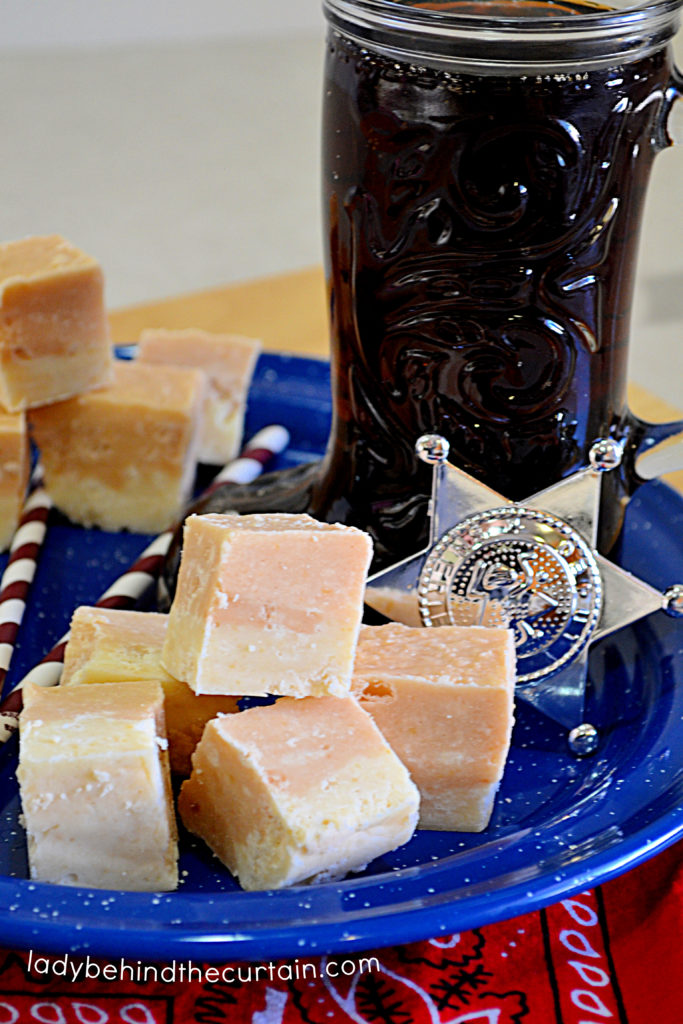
(520, 568)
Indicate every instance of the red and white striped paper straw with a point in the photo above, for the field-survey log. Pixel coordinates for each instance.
(21, 566)
(129, 589)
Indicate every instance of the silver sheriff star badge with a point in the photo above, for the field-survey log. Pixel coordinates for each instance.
(530, 566)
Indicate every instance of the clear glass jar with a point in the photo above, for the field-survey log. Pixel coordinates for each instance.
(485, 166)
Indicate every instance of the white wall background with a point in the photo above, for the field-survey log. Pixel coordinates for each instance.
(175, 140)
(40, 23)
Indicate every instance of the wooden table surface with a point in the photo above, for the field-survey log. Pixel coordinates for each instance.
(288, 313)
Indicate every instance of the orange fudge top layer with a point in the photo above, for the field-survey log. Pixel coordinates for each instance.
(228, 358)
(472, 655)
(36, 257)
(274, 522)
(271, 547)
(152, 387)
(58, 705)
(287, 740)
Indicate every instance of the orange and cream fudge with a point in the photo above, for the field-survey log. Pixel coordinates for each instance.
(267, 603)
(228, 361)
(443, 698)
(124, 457)
(297, 791)
(15, 458)
(95, 787)
(108, 644)
(54, 335)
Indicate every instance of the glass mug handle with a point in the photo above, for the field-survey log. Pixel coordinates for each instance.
(657, 448)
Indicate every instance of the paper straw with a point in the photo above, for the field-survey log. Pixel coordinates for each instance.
(129, 589)
(21, 566)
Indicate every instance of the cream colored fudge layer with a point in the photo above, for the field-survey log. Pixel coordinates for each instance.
(301, 790)
(110, 643)
(95, 787)
(267, 604)
(15, 460)
(443, 698)
(124, 457)
(228, 361)
(54, 335)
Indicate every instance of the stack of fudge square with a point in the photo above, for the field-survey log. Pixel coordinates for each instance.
(366, 733)
(119, 440)
(369, 732)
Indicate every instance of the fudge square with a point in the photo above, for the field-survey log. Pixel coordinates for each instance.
(228, 361)
(267, 603)
(443, 698)
(15, 458)
(95, 787)
(300, 790)
(54, 335)
(124, 457)
(108, 644)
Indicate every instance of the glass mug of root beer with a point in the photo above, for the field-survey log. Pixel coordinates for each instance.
(485, 164)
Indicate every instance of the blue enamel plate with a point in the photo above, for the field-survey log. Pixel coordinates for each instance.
(560, 824)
